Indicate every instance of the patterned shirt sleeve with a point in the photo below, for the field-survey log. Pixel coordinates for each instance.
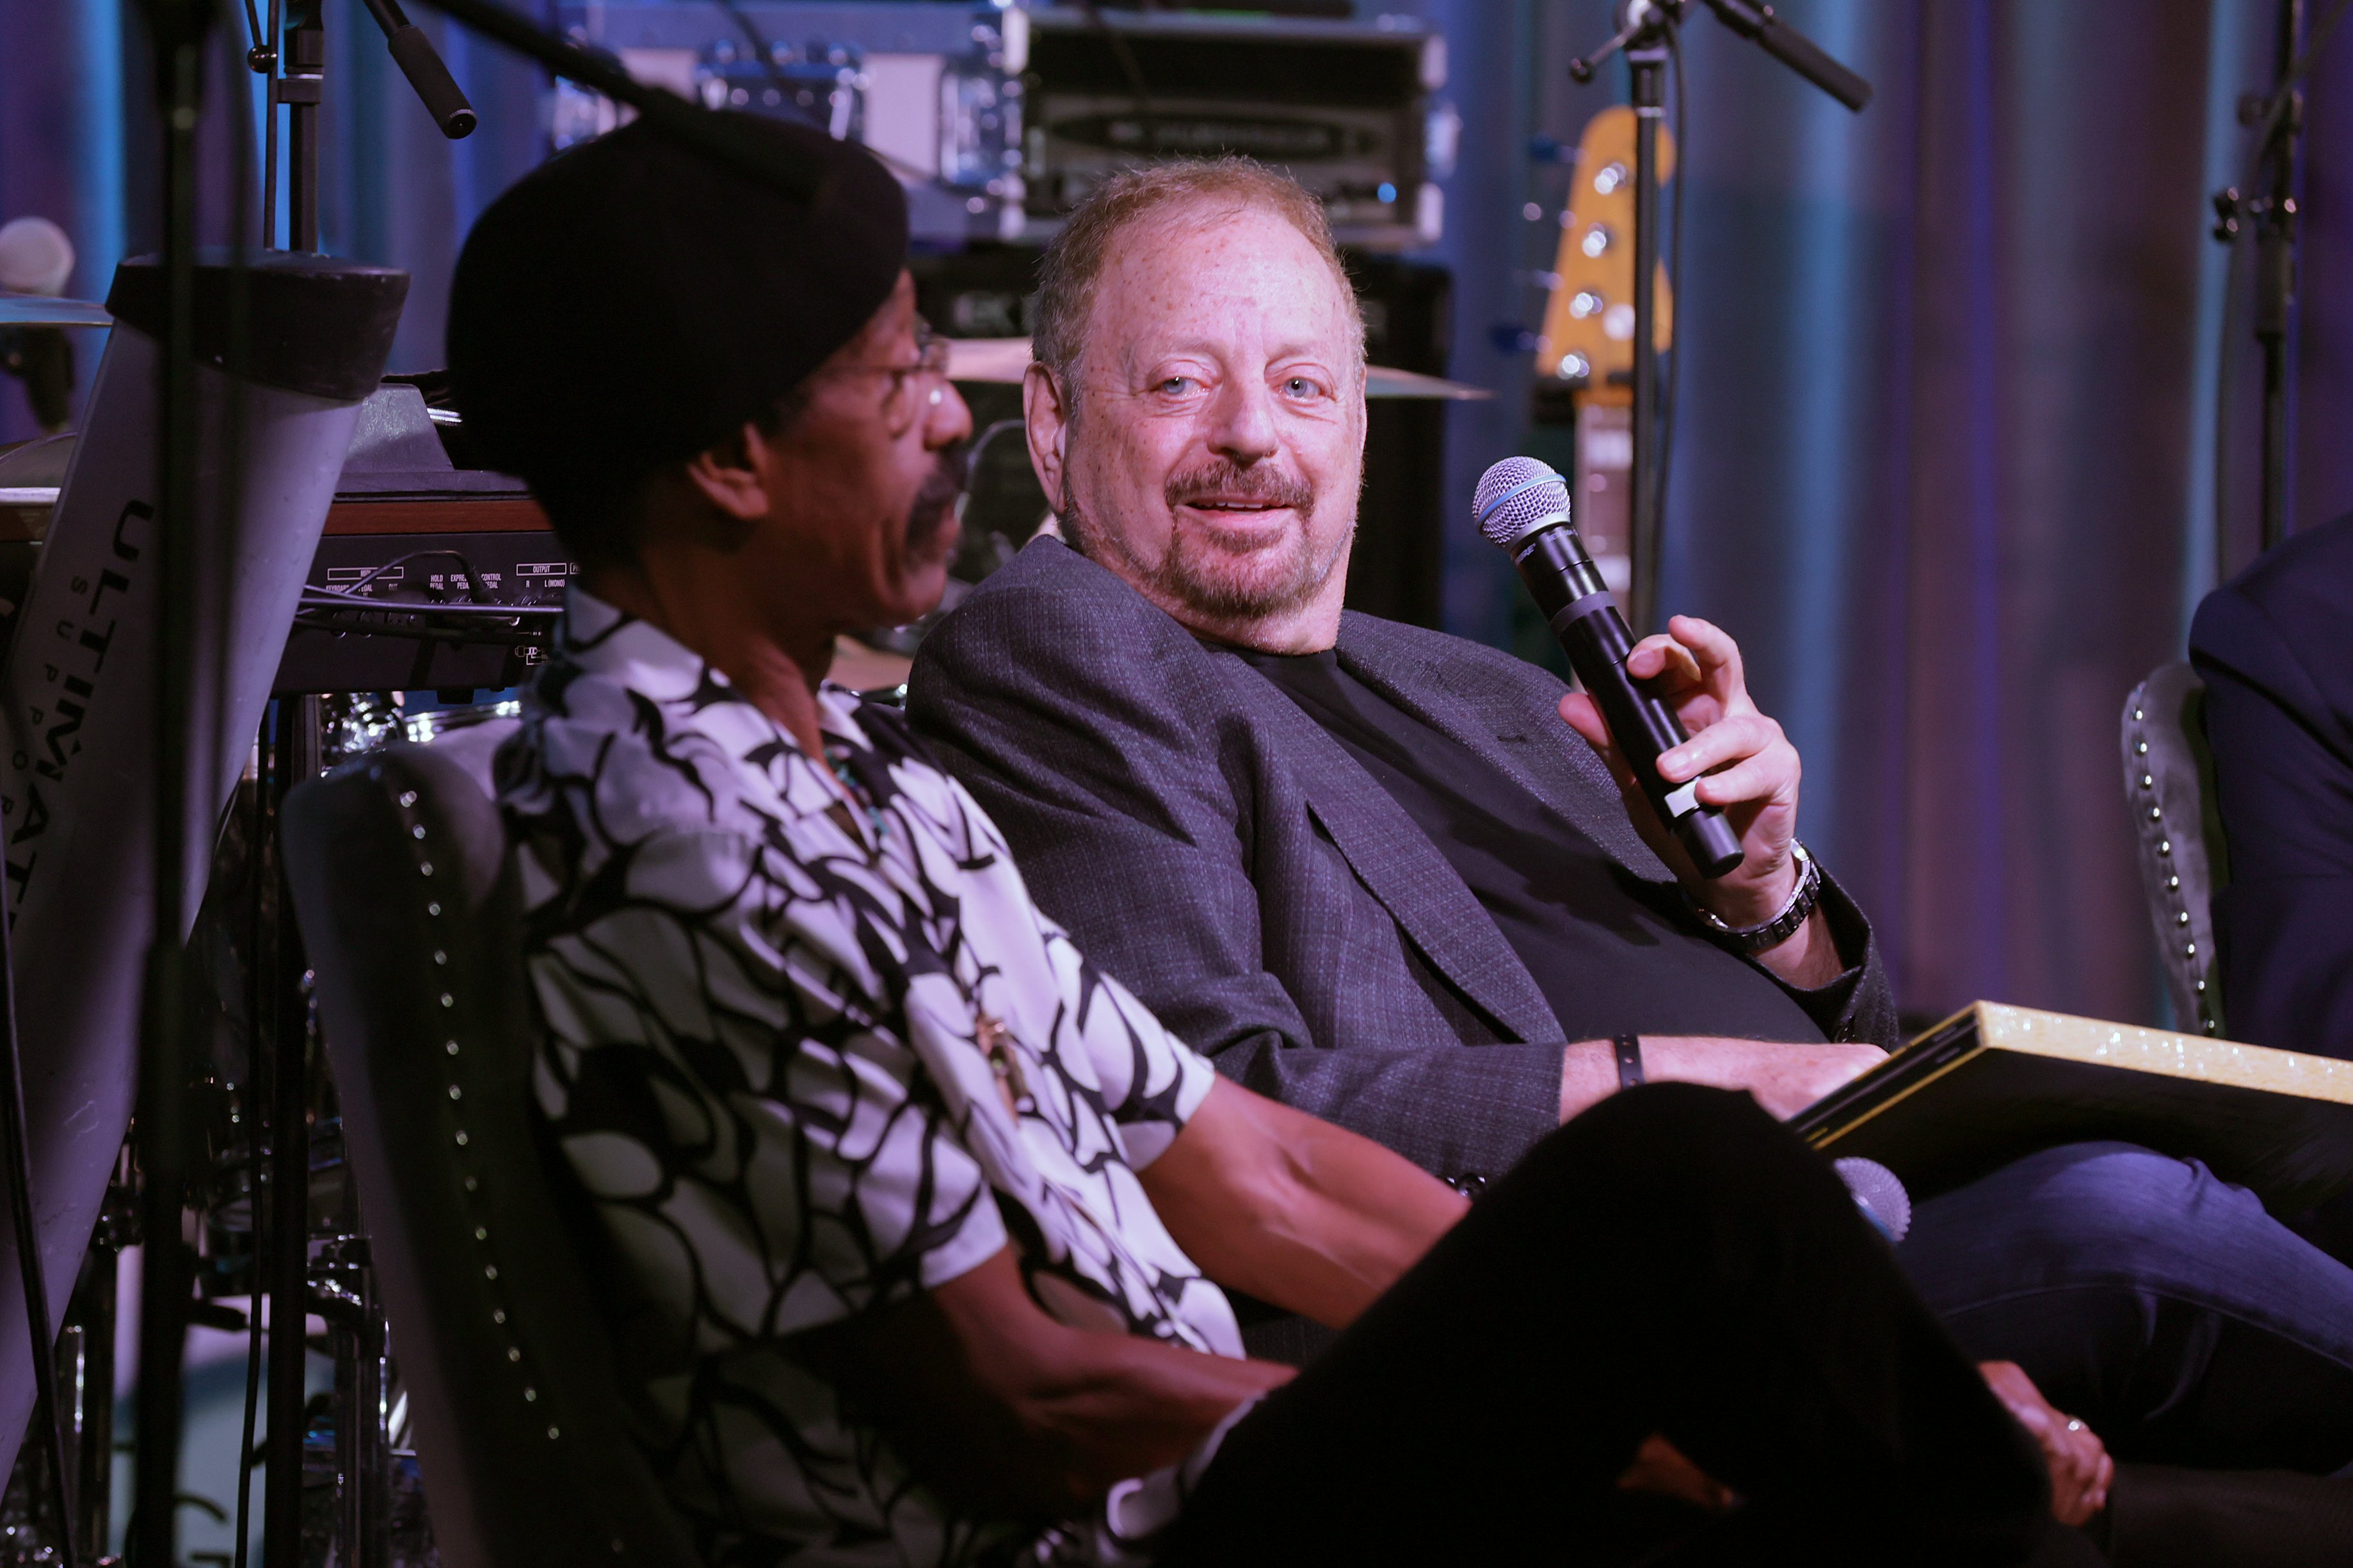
(1152, 1081)
(755, 1134)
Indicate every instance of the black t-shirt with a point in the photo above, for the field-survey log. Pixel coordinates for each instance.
(1611, 953)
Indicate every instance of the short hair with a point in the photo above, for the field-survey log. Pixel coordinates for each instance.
(1073, 263)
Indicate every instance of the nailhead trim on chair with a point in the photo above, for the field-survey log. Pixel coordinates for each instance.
(2203, 973)
(406, 800)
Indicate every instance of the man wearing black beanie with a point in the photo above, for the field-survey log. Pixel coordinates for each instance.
(927, 1217)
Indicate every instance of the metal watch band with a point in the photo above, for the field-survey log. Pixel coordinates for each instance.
(1781, 927)
(1629, 1060)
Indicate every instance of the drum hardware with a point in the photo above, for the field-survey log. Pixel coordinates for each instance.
(85, 1367)
(41, 310)
(343, 1294)
(86, 1362)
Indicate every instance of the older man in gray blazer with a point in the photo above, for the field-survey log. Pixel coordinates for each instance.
(1402, 881)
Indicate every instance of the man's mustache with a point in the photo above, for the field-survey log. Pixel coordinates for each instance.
(933, 512)
(1228, 480)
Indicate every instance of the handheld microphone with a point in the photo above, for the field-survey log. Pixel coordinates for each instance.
(1523, 509)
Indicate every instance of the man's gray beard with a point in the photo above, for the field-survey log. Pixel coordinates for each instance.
(1178, 580)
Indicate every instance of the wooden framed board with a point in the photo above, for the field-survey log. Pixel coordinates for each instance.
(1993, 1083)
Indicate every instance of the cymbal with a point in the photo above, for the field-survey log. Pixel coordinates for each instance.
(1003, 360)
(45, 311)
(1000, 359)
(1382, 381)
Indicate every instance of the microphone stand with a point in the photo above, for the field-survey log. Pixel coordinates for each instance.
(302, 78)
(423, 68)
(1646, 35)
(262, 59)
(299, 87)
(2277, 118)
(179, 28)
(2275, 248)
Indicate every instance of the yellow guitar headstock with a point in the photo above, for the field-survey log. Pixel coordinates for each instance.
(1587, 342)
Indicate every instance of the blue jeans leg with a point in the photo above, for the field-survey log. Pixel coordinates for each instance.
(2157, 1301)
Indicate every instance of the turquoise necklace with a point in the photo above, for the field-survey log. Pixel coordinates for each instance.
(836, 757)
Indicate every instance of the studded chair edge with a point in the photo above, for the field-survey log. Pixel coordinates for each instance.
(406, 897)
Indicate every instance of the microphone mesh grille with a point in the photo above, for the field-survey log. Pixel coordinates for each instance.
(1513, 496)
(1880, 1190)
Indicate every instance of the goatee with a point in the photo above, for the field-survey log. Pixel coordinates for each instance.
(1210, 579)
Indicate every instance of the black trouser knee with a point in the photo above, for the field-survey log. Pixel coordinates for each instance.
(1673, 1261)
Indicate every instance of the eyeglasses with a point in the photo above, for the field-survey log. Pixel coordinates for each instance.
(931, 363)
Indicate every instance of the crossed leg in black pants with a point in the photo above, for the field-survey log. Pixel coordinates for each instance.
(1673, 1261)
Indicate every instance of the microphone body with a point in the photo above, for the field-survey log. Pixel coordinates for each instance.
(1523, 508)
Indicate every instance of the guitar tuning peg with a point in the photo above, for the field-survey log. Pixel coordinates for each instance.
(2226, 202)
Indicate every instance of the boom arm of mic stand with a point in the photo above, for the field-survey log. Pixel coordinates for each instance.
(1580, 70)
(713, 135)
(414, 52)
(1793, 49)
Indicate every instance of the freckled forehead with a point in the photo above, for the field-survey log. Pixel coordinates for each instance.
(1210, 274)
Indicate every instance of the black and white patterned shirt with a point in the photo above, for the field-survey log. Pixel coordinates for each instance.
(811, 1049)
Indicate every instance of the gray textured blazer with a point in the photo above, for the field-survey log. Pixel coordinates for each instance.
(1210, 846)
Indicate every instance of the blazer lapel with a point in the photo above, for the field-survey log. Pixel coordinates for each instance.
(1507, 738)
(1396, 860)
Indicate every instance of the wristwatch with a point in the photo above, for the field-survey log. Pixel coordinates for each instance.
(1781, 927)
